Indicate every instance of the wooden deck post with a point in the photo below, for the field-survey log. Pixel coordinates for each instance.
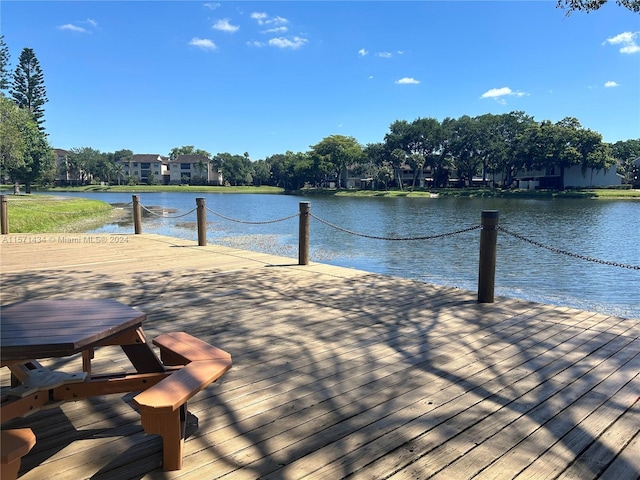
(4, 219)
(137, 215)
(487, 263)
(201, 212)
(303, 235)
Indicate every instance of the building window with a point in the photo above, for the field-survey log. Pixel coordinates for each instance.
(185, 166)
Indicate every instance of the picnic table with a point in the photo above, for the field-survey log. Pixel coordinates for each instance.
(41, 329)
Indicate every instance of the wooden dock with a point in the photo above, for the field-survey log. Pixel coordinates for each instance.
(337, 372)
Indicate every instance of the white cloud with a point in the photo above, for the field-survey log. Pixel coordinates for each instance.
(276, 30)
(276, 21)
(281, 42)
(264, 19)
(255, 43)
(203, 43)
(78, 28)
(211, 6)
(259, 16)
(384, 54)
(73, 28)
(497, 93)
(362, 52)
(407, 81)
(627, 40)
(224, 26)
(610, 84)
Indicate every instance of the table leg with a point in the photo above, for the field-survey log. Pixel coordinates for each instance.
(143, 358)
(87, 356)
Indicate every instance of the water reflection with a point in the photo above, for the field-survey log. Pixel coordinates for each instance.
(606, 230)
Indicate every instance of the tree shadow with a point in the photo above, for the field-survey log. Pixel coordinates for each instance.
(369, 374)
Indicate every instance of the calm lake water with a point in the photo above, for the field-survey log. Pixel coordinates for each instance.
(601, 229)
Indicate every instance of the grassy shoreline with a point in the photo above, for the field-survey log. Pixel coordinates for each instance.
(45, 214)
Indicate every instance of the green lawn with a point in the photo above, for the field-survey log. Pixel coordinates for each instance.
(41, 214)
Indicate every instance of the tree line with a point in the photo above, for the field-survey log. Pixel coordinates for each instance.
(485, 146)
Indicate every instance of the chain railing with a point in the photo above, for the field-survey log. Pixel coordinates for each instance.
(162, 215)
(247, 222)
(392, 239)
(488, 236)
(567, 253)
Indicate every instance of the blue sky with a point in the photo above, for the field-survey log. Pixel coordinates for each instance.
(267, 77)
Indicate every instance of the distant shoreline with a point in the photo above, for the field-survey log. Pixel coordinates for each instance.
(599, 193)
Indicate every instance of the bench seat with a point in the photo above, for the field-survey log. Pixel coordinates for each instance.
(163, 407)
(180, 348)
(14, 444)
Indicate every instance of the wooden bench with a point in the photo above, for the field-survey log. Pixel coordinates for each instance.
(180, 348)
(14, 444)
(163, 407)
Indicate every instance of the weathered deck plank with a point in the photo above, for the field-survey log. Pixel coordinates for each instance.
(337, 372)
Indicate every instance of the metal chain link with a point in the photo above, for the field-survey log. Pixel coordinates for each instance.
(253, 223)
(374, 237)
(166, 216)
(564, 252)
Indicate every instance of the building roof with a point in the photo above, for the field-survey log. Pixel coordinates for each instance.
(146, 157)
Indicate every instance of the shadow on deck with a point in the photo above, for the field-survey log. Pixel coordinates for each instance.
(339, 373)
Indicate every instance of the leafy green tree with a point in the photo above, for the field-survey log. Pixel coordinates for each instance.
(201, 166)
(28, 90)
(25, 154)
(290, 170)
(591, 5)
(84, 163)
(120, 159)
(398, 158)
(625, 154)
(187, 150)
(396, 142)
(104, 168)
(465, 148)
(420, 140)
(376, 164)
(512, 153)
(118, 172)
(261, 172)
(236, 169)
(337, 153)
(13, 122)
(4, 66)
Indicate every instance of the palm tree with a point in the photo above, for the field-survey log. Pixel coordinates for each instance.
(118, 171)
(200, 167)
